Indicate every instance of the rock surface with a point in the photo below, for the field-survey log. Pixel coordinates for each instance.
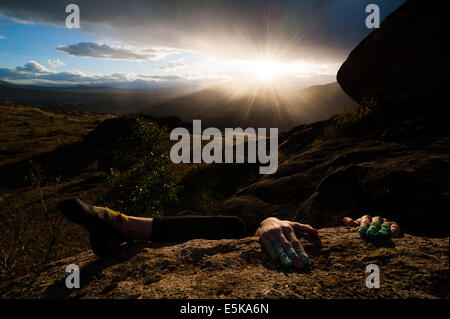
(327, 180)
(410, 267)
(407, 55)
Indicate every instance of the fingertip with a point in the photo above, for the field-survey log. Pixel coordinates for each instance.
(287, 262)
(298, 263)
(310, 230)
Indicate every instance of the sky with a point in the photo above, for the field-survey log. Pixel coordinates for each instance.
(144, 44)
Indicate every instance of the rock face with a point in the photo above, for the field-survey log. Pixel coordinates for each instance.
(349, 177)
(410, 267)
(407, 55)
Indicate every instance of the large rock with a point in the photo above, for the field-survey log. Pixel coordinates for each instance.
(407, 55)
(410, 267)
(391, 162)
(320, 183)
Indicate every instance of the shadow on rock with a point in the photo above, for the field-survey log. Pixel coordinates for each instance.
(58, 289)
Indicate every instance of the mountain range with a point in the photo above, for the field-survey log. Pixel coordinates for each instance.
(224, 105)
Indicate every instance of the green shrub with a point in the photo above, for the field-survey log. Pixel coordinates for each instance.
(141, 181)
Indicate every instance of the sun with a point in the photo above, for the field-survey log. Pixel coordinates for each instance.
(265, 70)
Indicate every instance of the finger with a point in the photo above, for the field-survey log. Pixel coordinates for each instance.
(385, 230)
(374, 228)
(267, 244)
(377, 219)
(290, 236)
(350, 222)
(395, 230)
(303, 228)
(288, 246)
(279, 244)
(365, 221)
(297, 257)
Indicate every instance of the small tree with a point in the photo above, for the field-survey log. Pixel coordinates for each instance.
(141, 181)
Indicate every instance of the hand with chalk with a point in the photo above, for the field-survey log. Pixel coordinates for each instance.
(280, 241)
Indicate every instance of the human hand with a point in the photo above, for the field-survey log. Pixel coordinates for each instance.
(280, 240)
(376, 227)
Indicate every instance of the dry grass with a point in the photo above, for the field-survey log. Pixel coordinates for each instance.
(28, 131)
(31, 226)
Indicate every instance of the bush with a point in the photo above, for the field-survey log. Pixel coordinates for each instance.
(141, 181)
(351, 118)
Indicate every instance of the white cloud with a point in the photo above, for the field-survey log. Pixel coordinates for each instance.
(36, 74)
(33, 67)
(172, 65)
(105, 51)
(55, 63)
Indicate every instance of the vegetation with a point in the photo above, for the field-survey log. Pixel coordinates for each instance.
(30, 242)
(352, 117)
(351, 121)
(30, 224)
(142, 182)
(28, 131)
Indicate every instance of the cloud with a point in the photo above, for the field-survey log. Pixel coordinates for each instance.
(105, 51)
(55, 63)
(324, 30)
(26, 72)
(35, 74)
(172, 65)
(2, 37)
(33, 67)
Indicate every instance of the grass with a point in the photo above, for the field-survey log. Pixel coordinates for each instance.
(29, 222)
(27, 131)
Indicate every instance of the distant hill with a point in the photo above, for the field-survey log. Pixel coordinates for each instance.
(232, 105)
(86, 98)
(225, 105)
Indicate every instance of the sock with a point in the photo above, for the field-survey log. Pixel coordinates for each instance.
(102, 223)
